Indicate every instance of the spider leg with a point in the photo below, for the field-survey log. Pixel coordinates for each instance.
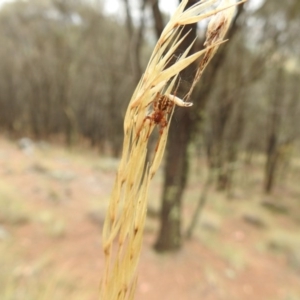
(163, 125)
(155, 104)
(169, 109)
(149, 128)
(142, 126)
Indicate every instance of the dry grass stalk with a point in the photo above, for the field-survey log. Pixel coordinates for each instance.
(216, 31)
(123, 228)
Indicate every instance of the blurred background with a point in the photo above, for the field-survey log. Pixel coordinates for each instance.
(232, 166)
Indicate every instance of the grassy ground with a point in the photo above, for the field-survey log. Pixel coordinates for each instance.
(52, 207)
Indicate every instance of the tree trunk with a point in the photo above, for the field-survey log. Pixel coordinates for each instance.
(176, 166)
(200, 205)
(176, 171)
(271, 164)
(277, 96)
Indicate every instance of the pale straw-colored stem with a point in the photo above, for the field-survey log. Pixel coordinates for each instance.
(126, 215)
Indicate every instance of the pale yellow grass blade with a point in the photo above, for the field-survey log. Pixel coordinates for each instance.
(151, 106)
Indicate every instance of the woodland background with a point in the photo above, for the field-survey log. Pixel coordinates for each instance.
(67, 73)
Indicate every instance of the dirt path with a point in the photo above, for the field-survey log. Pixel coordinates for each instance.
(63, 196)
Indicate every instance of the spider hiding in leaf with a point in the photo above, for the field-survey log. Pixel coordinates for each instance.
(163, 105)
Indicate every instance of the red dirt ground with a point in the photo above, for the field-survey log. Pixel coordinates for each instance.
(74, 253)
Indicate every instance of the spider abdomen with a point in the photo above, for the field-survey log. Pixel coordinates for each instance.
(158, 116)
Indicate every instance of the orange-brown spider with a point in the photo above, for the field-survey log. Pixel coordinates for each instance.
(162, 108)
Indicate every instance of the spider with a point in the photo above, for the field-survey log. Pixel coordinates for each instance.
(162, 108)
